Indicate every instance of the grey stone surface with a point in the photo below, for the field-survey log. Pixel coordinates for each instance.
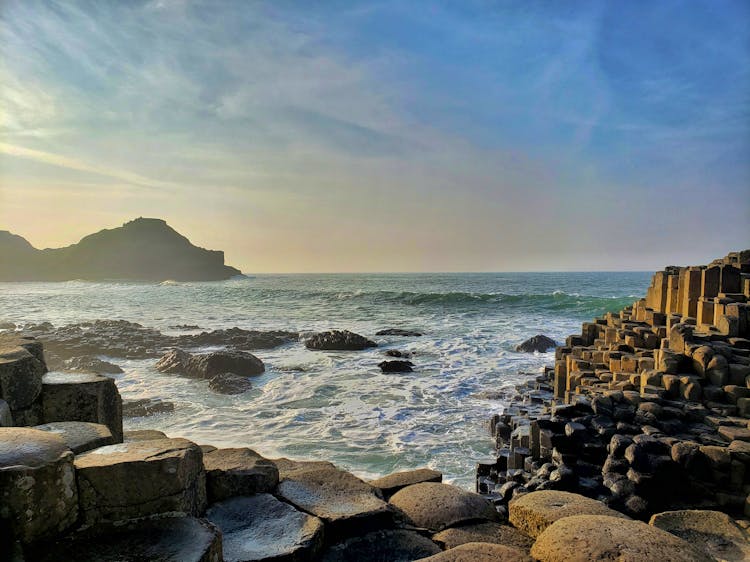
(713, 532)
(238, 472)
(393, 545)
(392, 483)
(80, 436)
(260, 527)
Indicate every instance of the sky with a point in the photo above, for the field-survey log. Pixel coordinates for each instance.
(385, 135)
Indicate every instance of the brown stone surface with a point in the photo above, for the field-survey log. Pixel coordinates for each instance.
(144, 435)
(488, 531)
(533, 513)
(480, 552)
(392, 483)
(238, 472)
(436, 506)
(80, 436)
(582, 538)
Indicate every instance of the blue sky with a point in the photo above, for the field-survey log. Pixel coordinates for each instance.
(380, 136)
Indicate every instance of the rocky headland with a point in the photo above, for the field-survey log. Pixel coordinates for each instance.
(634, 446)
(140, 250)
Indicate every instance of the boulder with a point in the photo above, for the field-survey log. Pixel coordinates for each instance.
(90, 364)
(539, 343)
(398, 332)
(488, 531)
(82, 397)
(141, 478)
(396, 366)
(38, 495)
(436, 506)
(168, 539)
(208, 365)
(581, 538)
(392, 483)
(397, 545)
(21, 370)
(713, 532)
(144, 435)
(80, 436)
(480, 552)
(238, 472)
(345, 503)
(229, 383)
(533, 513)
(260, 527)
(338, 340)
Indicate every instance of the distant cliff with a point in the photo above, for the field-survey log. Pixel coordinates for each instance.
(143, 249)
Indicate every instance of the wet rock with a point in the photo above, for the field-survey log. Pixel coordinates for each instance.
(146, 407)
(37, 484)
(90, 364)
(398, 332)
(480, 552)
(581, 538)
(169, 539)
(539, 343)
(392, 483)
(489, 532)
(713, 532)
(260, 527)
(534, 512)
(208, 365)
(238, 472)
(82, 397)
(397, 545)
(338, 340)
(437, 506)
(229, 383)
(396, 366)
(80, 437)
(144, 435)
(345, 503)
(398, 353)
(141, 478)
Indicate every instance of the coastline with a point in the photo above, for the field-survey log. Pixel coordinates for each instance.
(565, 428)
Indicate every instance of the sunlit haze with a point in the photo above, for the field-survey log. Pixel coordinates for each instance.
(383, 136)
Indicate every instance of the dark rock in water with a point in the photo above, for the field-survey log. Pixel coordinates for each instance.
(208, 365)
(90, 364)
(145, 407)
(7, 326)
(397, 353)
(338, 340)
(398, 332)
(145, 249)
(185, 327)
(229, 383)
(396, 366)
(540, 343)
(237, 338)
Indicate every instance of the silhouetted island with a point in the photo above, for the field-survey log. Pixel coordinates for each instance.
(142, 249)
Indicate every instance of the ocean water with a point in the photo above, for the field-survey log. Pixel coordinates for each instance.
(338, 406)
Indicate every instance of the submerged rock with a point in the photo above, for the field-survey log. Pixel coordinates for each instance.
(396, 366)
(398, 353)
(398, 332)
(540, 343)
(146, 407)
(229, 383)
(338, 340)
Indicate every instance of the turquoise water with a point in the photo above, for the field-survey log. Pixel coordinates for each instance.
(338, 405)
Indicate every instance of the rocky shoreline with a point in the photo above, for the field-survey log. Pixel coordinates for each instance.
(644, 412)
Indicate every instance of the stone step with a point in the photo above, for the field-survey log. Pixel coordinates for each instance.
(80, 436)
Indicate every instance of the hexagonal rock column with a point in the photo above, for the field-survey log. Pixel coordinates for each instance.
(38, 496)
(533, 513)
(140, 478)
(169, 539)
(487, 531)
(581, 538)
(345, 503)
(392, 483)
(437, 506)
(480, 552)
(390, 544)
(238, 472)
(80, 436)
(21, 371)
(260, 527)
(82, 397)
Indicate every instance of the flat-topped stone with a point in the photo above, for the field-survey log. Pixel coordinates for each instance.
(436, 506)
(394, 545)
(343, 501)
(143, 435)
(169, 539)
(480, 552)
(238, 472)
(80, 436)
(488, 531)
(533, 513)
(141, 478)
(581, 538)
(713, 532)
(260, 527)
(392, 483)
(82, 397)
(38, 495)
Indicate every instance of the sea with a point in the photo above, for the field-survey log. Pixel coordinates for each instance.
(339, 406)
